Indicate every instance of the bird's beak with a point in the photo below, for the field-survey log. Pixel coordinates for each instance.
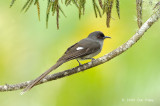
(106, 37)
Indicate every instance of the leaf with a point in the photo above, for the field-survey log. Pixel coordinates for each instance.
(48, 11)
(100, 3)
(81, 6)
(35, 2)
(62, 11)
(12, 2)
(54, 6)
(67, 2)
(108, 8)
(98, 10)
(57, 17)
(75, 2)
(38, 9)
(25, 5)
(94, 7)
(30, 3)
(117, 7)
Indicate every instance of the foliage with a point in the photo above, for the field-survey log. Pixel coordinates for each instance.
(54, 7)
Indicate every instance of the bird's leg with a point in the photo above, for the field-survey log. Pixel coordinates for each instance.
(79, 62)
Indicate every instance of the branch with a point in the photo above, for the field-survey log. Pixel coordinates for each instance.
(94, 63)
(139, 12)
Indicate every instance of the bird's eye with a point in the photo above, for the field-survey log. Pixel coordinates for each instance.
(100, 36)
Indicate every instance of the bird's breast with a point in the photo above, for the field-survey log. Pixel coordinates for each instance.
(90, 55)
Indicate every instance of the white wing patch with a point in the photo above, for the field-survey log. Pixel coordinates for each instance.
(79, 48)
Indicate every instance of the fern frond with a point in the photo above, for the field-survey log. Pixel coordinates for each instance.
(54, 6)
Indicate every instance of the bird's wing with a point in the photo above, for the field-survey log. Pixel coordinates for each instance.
(80, 49)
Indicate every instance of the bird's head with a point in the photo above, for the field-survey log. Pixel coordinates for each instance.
(97, 35)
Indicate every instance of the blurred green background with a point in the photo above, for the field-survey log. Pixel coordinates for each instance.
(27, 49)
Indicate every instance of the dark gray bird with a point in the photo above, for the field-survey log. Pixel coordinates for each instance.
(85, 49)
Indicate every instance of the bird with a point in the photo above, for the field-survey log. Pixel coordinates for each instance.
(84, 49)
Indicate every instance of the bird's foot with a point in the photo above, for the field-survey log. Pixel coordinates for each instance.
(79, 63)
(93, 59)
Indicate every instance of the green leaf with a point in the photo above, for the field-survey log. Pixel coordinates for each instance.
(117, 7)
(12, 2)
(25, 5)
(30, 3)
(38, 9)
(100, 3)
(54, 6)
(48, 11)
(108, 9)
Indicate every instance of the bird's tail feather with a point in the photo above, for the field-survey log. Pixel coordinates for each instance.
(37, 80)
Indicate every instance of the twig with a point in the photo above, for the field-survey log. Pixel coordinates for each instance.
(139, 12)
(94, 63)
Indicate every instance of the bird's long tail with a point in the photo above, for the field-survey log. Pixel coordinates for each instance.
(37, 80)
